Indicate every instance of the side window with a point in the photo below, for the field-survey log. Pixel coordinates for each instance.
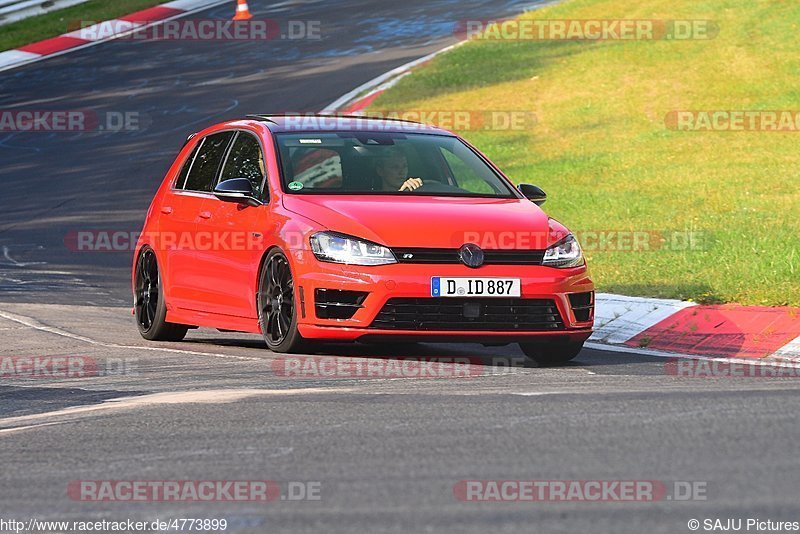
(245, 161)
(180, 182)
(207, 162)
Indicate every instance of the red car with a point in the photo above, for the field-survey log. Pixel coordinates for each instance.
(305, 228)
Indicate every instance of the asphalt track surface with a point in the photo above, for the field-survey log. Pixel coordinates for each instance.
(386, 452)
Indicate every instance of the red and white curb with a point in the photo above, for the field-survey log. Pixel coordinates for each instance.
(675, 327)
(102, 32)
(656, 327)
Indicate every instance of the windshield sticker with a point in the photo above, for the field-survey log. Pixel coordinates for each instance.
(295, 186)
(310, 141)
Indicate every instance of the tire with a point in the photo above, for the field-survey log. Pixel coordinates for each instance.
(551, 354)
(150, 308)
(277, 307)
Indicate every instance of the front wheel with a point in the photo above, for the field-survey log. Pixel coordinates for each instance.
(150, 308)
(551, 354)
(277, 313)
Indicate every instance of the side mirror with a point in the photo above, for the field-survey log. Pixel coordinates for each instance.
(533, 193)
(237, 190)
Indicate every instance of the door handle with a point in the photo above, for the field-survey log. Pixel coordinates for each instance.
(166, 210)
(205, 214)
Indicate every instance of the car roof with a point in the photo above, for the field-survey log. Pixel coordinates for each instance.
(319, 122)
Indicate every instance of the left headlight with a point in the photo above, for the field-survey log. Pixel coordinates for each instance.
(565, 253)
(339, 248)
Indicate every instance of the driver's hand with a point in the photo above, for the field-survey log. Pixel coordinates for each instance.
(411, 184)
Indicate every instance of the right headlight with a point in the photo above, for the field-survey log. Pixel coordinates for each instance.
(339, 248)
(565, 253)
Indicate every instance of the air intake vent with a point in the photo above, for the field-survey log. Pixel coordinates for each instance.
(337, 303)
(494, 314)
(582, 305)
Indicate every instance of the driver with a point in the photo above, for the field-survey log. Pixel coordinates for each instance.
(392, 169)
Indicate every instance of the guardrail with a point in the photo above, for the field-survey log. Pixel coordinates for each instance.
(14, 10)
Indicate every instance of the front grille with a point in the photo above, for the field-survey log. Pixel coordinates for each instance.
(426, 255)
(513, 257)
(445, 256)
(337, 303)
(493, 314)
(582, 305)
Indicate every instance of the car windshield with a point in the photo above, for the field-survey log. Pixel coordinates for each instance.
(369, 163)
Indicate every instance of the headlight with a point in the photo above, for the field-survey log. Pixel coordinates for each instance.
(565, 253)
(339, 248)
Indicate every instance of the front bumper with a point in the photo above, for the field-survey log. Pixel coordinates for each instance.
(381, 283)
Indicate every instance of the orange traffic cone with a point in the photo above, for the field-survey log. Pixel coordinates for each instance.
(242, 11)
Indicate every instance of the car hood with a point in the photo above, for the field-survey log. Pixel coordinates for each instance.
(432, 222)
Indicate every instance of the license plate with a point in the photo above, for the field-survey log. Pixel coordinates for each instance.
(475, 287)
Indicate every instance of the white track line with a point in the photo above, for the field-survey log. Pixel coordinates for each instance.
(334, 106)
(32, 323)
(212, 396)
(15, 263)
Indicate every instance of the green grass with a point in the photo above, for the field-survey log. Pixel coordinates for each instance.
(57, 22)
(601, 150)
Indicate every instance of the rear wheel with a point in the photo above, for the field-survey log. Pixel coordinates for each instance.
(150, 309)
(277, 313)
(550, 353)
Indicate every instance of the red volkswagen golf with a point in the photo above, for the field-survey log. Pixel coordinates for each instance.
(306, 228)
